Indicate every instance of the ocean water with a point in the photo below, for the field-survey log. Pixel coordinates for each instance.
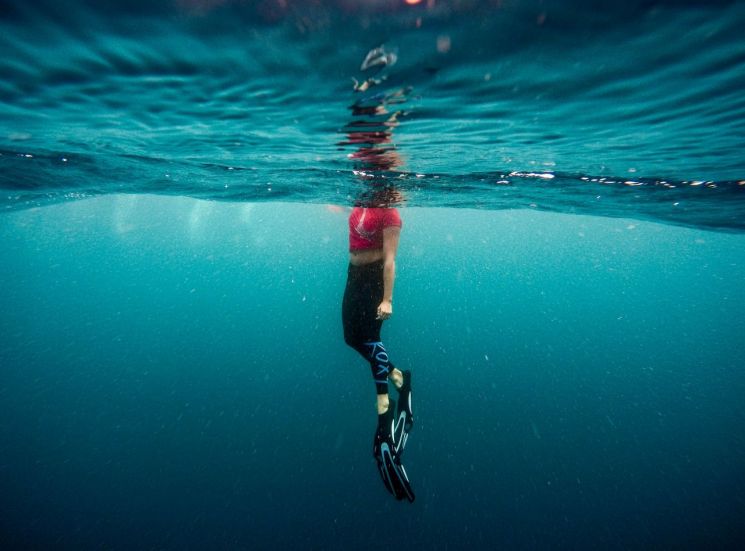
(174, 189)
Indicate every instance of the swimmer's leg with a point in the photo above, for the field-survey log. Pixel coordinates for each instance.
(380, 367)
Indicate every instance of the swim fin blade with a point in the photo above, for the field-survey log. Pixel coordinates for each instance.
(404, 414)
(389, 439)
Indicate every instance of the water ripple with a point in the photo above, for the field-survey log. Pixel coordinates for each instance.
(242, 101)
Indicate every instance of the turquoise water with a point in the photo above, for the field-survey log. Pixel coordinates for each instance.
(250, 101)
(175, 183)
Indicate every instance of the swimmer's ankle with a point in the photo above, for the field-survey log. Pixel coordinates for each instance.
(397, 377)
(383, 403)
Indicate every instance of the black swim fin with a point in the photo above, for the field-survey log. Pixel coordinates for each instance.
(404, 415)
(389, 439)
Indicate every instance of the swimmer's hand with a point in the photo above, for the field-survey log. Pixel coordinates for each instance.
(385, 310)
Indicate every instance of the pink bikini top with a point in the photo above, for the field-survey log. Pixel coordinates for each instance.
(366, 227)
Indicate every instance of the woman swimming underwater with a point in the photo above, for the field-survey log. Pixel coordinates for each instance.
(368, 301)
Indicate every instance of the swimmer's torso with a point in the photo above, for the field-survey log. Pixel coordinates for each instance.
(366, 227)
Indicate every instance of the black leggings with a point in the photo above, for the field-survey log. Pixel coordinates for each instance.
(359, 311)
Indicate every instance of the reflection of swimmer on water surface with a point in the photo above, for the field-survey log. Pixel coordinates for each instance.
(377, 57)
(373, 134)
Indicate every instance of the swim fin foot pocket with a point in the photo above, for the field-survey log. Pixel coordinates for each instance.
(390, 439)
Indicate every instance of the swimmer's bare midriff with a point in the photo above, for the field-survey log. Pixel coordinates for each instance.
(367, 256)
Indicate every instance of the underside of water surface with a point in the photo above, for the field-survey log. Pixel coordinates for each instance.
(628, 110)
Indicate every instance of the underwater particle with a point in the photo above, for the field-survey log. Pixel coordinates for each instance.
(487, 77)
(64, 159)
(486, 357)
(412, 2)
(541, 19)
(535, 430)
(443, 43)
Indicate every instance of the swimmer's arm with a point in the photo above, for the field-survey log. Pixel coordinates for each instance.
(390, 247)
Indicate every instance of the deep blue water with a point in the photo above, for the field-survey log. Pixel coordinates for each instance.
(174, 182)
(174, 376)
